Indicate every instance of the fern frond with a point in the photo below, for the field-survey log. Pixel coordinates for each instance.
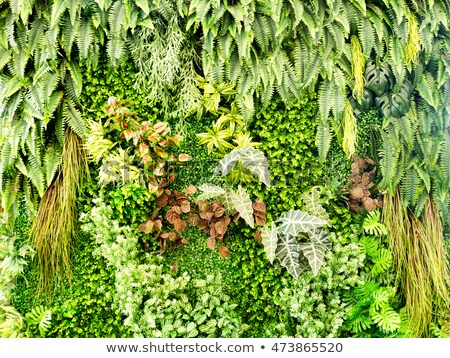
(73, 119)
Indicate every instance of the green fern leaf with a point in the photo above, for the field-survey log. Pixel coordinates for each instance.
(73, 119)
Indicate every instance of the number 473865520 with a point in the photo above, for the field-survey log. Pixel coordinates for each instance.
(307, 347)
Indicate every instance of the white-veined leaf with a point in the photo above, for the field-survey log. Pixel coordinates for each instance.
(243, 204)
(294, 222)
(312, 205)
(270, 240)
(287, 253)
(255, 161)
(210, 191)
(227, 163)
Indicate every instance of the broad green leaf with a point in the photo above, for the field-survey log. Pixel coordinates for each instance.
(295, 222)
(210, 191)
(287, 253)
(270, 240)
(243, 204)
(143, 5)
(312, 205)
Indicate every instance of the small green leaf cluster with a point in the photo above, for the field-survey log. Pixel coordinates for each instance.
(313, 306)
(155, 302)
(373, 307)
(287, 136)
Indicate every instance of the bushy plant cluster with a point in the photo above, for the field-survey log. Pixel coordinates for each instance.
(154, 301)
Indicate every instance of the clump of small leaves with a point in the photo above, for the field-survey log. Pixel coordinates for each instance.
(134, 149)
(361, 181)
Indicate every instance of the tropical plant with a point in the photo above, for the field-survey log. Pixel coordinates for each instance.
(283, 238)
(123, 137)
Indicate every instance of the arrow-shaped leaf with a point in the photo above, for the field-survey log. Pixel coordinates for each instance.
(294, 222)
(270, 240)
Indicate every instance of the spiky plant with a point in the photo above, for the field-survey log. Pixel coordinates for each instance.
(419, 261)
(54, 228)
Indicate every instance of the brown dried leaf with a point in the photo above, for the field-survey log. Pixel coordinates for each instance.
(211, 243)
(157, 225)
(219, 212)
(176, 209)
(369, 161)
(184, 241)
(236, 217)
(356, 193)
(172, 216)
(220, 227)
(174, 267)
(260, 220)
(179, 225)
(173, 236)
(203, 206)
(193, 219)
(223, 251)
(202, 223)
(259, 206)
(366, 179)
(369, 204)
(206, 215)
(146, 227)
(185, 206)
(258, 236)
(162, 201)
(191, 189)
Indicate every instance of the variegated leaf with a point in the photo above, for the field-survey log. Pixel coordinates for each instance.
(243, 204)
(227, 163)
(255, 161)
(294, 222)
(315, 253)
(287, 253)
(313, 206)
(270, 240)
(210, 191)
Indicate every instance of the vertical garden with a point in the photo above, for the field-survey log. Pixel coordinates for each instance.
(212, 168)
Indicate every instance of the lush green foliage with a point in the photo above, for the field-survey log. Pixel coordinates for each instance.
(260, 90)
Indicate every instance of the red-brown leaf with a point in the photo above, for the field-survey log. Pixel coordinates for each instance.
(172, 216)
(185, 206)
(206, 215)
(191, 189)
(179, 225)
(162, 201)
(258, 236)
(211, 243)
(224, 252)
(258, 205)
(147, 227)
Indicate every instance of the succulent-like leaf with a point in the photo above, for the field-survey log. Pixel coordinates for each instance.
(313, 206)
(243, 204)
(287, 253)
(270, 240)
(294, 222)
(210, 191)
